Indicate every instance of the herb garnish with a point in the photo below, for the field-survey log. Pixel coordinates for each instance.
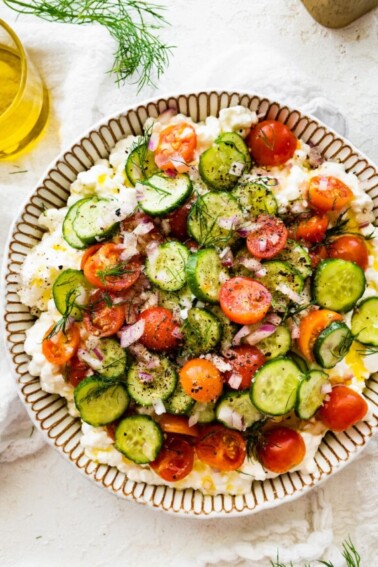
(60, 326)
(133, 24)
(115, 271)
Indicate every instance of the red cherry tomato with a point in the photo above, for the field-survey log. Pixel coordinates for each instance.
(76, 371)
(318, 254)
(176, 147)
(269, 239)
(271, 143)
(201, 380)
(281, 449)
(178, 222)
(344, 408)
(62, 345)
(101, 318)
(350, 247)
(311, 230)
(159, 329)
(244, 301)
(245, 360)
(105, 269)
(175, 460)
(88, 253)
(327, 193)
(221, 448)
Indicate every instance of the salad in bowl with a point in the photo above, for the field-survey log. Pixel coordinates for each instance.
(207, 302)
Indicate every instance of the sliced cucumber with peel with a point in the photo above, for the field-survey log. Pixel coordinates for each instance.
(165, 267)
(139, 438)
(202, 331)
(365, 322)
(94, 220)
(310, 394)
(281, 274)
(277, 344)
(221, 166)
(162, 385)
(333, 344)
(101, 401)
(236, 411)
(275, 385)
(162, 194)
(140, 164)
(255, 198)
(179, 402)
(298, 258)
(68, 231)
(204, 412)
(238, 142)
(338, 284)
(205, 274)
(107, 358)
(71, 288)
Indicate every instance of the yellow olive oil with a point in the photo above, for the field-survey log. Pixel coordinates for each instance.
(10, 77)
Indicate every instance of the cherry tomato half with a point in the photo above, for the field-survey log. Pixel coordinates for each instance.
(100, 318)
(245, 360)
(327, 193)
(311, 230)
(178, 221)
(311, 326)
(88, 253)
(76, 370)
(244, 301)
(177, 424)
(201, 380)
(281, 449)
(350, 247)
(176, 147)
(221, 448)
(105, 269)
(175, 460)
(344, 408)
(317, 254)
(269, 239)
(271, 143)
(61, 346)
(159, 329)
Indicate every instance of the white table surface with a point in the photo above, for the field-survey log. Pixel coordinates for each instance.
(49, 514)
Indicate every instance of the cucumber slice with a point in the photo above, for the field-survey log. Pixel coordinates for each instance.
(109, 359)
(179, 402)
(281, 274)
(68, 231)
(176, 300)
(71, 286)
(92, 223)
(219, 166)
(205, 412)
(236, 140)
(365, 322)
(165, 267)
(277, 344)
(139, 438)
(255, 199)
(332, 344)
(202, 331)
(100, 401)
(161, 194)
(205, 274)
(297, 257)
(299, 361)
(228, 328)
(238, 403)
(140, 164)
(160, 388)
(310, 396)
(206, 213)
(338, 284)
(275, 385)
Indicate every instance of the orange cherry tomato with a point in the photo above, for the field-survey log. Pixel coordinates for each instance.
(311, 230)
(221, 448)
(269, 239)
(76, 370)
(327, 193)
(244, 301)
(177, 424)
(105, 269)
(100, 318)
(350, 247)
(281, 449)
(245, 360)
(176, 147)
(311, 326)
(318, 254)
(201, 380)
(159, 329)
(271, 143)
(88, 253)
(62, 346)
(344, 408)
(175, 460)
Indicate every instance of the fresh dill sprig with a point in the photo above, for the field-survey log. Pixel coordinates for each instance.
(368, 351)
(341, 227)
(60, 326)
(117, 270)
(103, 385)
(133, 24)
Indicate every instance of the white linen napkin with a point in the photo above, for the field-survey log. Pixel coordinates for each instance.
(74, 62)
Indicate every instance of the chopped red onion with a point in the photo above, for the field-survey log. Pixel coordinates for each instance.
(158, 406)
(131, 334)
(98, 353)
(223, 252)
(364, 224)
(274, 238)
(193, 419)
(146, 377)
(171, 173)
(235, 380)
(151, 247)
(218, 362)
(326, 388)
(177, 333)
(295, 331)
(262, 244)
(166, 115)
(273, 318)
(291, 294)
(139, 192)
(315, 157)
(86, 357)
(243, 332)
(251, 264)
(261, 273)
(237, 421)
(236, 168)
(248, 227)
(262, 332)
(143, 228)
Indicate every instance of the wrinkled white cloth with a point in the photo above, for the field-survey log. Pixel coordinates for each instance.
(74, 62)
